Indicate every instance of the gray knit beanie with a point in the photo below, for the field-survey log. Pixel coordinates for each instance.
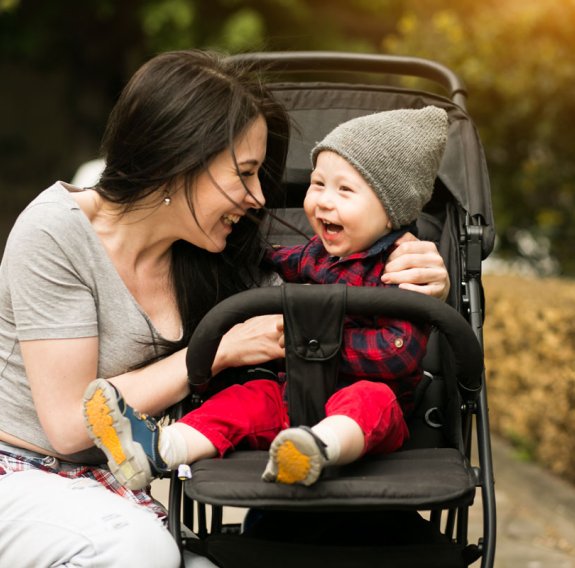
(398, 153)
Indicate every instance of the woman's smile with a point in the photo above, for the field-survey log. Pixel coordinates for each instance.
(221, 200)
(230, 219)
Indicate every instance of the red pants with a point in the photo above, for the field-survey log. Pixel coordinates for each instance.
(256, 412)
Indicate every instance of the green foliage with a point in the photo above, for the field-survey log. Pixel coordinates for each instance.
(518, 65)
(516, 57)
(168, 24)
(7, 5)
(243, 31)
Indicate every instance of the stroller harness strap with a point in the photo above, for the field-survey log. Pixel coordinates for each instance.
(313, 325)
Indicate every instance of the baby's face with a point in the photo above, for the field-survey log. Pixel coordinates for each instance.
(342, 208)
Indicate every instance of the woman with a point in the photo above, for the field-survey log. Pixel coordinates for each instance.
(111, 281)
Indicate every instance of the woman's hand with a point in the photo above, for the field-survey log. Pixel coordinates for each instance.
(255, 341)
(417, 265)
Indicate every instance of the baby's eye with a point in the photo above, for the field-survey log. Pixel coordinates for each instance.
(317, 182)
(346, 189)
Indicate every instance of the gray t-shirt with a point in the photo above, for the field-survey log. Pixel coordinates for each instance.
(56, 282)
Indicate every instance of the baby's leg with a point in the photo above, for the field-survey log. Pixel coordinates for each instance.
(343, 437)
(139, 449)
(183, 444)
(253, 412)
(374, 408)
(364, 417)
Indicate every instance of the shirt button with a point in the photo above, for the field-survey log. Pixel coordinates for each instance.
(398, 343)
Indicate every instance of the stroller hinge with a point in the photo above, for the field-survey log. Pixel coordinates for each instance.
(478, 475)
(473, 253)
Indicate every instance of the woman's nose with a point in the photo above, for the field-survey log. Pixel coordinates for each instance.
(255, 195)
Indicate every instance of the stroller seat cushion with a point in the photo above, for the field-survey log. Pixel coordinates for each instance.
(411, 479)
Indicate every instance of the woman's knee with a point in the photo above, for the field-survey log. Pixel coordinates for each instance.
(147, 544)
(50, 520)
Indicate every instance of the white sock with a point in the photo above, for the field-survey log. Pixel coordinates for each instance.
(328, 436)
(172, 447)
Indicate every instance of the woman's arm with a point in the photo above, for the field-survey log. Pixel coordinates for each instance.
(417, 265)
(59, 371)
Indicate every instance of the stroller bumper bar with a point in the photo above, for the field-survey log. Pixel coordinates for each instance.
(391, 302)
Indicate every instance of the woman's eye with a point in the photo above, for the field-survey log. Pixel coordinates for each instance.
(248, 174)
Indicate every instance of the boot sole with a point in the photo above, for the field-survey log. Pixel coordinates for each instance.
(111, 431)
(297, 458)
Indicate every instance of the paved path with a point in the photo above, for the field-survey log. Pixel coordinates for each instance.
(535, 514)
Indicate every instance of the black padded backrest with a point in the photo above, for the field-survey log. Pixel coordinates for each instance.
(316, 108)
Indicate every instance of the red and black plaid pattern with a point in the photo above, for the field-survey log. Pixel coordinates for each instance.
(378, 348)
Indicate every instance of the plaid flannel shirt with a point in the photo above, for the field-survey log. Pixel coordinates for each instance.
(378, 348)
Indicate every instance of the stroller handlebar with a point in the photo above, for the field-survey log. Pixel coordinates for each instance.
(366, 301)
(314, 61)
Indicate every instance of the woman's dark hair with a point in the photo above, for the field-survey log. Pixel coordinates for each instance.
(180, 110)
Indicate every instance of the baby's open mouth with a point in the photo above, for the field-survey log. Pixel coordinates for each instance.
(230, 219)
(331, 228)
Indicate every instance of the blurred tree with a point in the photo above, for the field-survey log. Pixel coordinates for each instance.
(516, 58)
(64, 62)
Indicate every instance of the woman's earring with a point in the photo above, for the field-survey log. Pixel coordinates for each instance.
(167, 200)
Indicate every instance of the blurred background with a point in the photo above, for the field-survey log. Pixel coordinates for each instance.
(64, 62)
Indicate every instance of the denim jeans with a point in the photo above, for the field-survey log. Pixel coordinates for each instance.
(48, 520)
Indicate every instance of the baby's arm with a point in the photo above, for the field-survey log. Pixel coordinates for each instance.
(385, 352)
(285, 261)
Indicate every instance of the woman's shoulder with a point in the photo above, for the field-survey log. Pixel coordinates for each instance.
(51, 222)
(53, 210)
(56, 197)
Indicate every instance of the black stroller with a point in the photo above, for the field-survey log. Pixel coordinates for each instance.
(410, 508)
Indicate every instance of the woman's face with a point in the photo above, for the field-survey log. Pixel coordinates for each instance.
(342, 208)
(219, 194)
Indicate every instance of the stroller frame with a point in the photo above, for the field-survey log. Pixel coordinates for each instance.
(474, 234)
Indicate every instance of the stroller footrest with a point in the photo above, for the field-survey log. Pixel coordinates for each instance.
(419, 479)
